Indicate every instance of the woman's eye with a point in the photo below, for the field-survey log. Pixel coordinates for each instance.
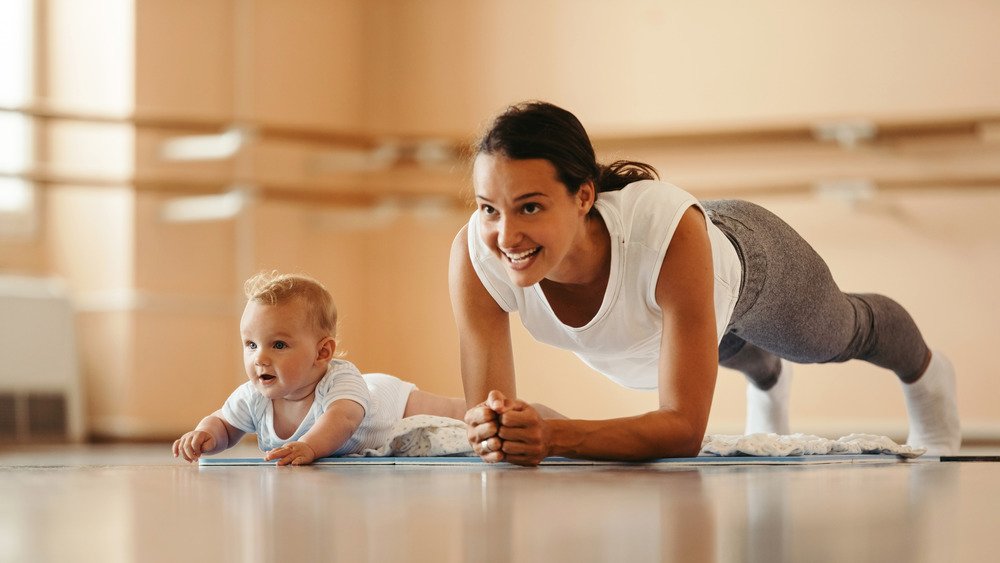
(531, 208)
(487, 209)
(280, 345)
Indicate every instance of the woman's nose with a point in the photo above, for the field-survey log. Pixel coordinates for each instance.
(508, 234)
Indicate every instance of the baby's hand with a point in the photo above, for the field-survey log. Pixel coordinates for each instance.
(294, 453)
(193, 444)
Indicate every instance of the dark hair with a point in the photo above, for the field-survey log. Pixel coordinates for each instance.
(542, 130)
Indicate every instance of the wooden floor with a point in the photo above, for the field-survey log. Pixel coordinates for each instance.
(136, 503)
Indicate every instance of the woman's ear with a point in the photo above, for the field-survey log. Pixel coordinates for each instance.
(585, 196)
(326, 350)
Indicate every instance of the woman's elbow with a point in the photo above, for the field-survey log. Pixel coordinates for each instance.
(690, 446)
(683, 441)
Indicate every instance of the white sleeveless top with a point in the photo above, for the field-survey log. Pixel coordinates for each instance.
(622, 341)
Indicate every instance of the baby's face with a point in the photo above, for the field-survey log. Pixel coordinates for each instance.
(281, 349)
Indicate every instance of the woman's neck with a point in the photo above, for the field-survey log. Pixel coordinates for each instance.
(588, 263)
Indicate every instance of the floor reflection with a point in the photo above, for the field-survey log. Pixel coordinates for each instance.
(583, 515)
(925, 511)
(827, 513)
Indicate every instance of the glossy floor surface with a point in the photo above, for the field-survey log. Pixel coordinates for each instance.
(136, 503)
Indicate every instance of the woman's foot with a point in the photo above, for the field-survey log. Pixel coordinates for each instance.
(767, 411)
(932, 409)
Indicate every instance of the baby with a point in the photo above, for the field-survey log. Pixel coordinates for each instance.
(302, 401)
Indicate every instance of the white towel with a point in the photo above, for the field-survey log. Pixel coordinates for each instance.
(425, 435)
(431, 436)
(774, 445)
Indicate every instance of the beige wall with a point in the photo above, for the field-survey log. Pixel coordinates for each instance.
(87, 55)
(159, 301)
(25, 255)
(649, 65)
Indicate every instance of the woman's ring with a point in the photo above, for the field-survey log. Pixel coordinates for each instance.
(482, 446)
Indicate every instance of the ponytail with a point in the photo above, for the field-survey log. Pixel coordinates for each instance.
(621, 173)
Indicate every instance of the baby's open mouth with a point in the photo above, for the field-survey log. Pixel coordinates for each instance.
(266, 377)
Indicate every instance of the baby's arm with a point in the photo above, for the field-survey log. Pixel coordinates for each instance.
(341, 419)
(212, 435)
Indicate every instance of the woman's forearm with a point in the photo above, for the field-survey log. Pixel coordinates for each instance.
(653, 435)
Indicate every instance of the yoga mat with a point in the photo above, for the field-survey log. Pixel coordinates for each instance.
(562, 461)
(989, 458)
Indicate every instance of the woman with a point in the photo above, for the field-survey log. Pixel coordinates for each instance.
(655, 290)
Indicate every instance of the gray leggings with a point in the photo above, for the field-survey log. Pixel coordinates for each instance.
(790, 307)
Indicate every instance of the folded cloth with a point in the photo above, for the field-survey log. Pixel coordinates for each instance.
(774, 445)
(424, 435)
(434, 436)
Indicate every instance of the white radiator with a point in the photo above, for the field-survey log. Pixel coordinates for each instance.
(40, 388)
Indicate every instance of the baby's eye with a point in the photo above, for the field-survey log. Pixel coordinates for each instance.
(531, 208)
(250, 345)
(280, 345)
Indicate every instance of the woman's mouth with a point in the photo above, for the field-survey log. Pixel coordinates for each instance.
(520, 259)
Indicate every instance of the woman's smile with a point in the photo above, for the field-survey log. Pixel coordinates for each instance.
(521, 260)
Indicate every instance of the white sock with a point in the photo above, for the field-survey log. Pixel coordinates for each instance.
(767, 411)
(932, 409)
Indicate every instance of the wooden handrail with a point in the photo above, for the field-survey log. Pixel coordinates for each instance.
(801, 130)
(957, 152)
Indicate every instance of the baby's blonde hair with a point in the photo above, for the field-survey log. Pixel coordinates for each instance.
(275, 288)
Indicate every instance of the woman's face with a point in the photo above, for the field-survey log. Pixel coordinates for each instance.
(528, 217)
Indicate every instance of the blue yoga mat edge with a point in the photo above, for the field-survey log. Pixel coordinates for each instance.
(468, 460)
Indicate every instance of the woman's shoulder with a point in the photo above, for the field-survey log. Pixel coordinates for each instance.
(461, 239)
(648, 202)
(470, 247)
(653, 192)
(645, 214)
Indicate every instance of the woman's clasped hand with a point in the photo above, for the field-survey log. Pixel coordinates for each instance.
(504, 429)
